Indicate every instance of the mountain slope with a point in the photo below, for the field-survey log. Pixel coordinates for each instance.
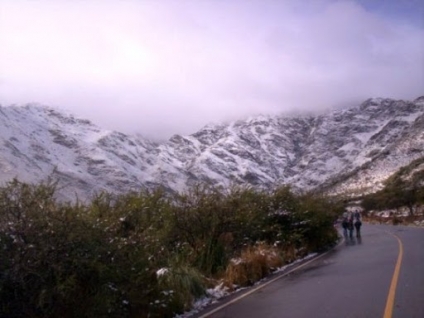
(343, 151)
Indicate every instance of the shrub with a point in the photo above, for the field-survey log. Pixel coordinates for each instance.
(60, 264)
(101, 259)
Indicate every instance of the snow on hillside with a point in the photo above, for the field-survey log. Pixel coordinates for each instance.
(354, 149)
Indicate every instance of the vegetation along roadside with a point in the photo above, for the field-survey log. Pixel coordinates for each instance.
(148, 254)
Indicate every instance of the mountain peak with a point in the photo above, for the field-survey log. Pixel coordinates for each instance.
(419, 99)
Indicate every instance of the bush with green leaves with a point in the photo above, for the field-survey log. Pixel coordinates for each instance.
(102, 259)
(59, 262)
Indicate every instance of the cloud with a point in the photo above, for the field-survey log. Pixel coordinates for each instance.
(164, 67)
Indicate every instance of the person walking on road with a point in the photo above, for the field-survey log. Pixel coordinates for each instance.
(347, 224)
(357, 222)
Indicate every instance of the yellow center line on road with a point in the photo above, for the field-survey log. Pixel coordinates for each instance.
(392, 291)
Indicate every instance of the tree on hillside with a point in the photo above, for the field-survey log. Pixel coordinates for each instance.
(405, 188)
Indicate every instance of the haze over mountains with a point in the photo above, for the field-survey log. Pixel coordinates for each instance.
(347, 151)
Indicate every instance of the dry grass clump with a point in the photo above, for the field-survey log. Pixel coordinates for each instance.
(289, 254)
(254, 263)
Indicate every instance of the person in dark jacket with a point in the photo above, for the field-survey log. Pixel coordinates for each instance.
(347, 224)
(357, 221)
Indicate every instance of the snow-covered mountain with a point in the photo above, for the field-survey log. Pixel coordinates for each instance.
(343, 151)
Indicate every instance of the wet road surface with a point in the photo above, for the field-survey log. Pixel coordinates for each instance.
(352, 280)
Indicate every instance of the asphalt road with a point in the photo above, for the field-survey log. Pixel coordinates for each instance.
(380, 275)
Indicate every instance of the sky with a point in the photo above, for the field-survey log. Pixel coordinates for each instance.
(164, 67)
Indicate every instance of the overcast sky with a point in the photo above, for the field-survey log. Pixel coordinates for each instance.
(163, 67)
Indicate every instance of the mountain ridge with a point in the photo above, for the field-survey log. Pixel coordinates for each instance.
(342, 151)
